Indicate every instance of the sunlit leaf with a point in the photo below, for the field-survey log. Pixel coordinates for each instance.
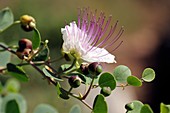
(12, 107)
(100, 105)
(58, 88)
(164, 108)
(75, 109)
(148, 75)
(107, 80)
(6, 18)
(36, 40)
(45, 108)
(17, 72)
(121, 73)
(134, 81)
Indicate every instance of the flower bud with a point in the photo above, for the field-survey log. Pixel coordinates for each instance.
(106, 91)
(84, 68)
(129, 106)
(22, 54)
(25, 43)
(95, 68)
(27, 23)
(74, 81)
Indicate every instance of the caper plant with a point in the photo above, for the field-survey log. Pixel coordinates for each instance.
(85, 44)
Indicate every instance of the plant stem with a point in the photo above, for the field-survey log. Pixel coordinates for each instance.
(8, 49)
(85, 103)
(16, 22)
(88, 91)
(41, 72)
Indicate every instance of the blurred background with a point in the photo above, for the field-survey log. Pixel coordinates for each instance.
(146, 43)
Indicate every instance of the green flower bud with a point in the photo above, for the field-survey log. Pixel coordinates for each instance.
(129, 106)
(95, 69)
(74, 81)
(27, 23)
(106, 91)
(84, 68)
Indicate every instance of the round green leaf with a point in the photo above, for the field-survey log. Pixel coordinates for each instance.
(12, 85)
(45, 108)
(146, 109)
(17, 72)
(6, 18)
(134, 81)
(18, 98)
(36, 40)
(75, 109)
(137, 107)
(148, 75)
(121, 73)
(100, 105)
(12, 107)
(107, 80)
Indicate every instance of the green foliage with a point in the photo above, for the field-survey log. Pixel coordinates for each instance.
(107, 80)
(75, 109)
(134, 81)
(36, 40)
(45, 108)
(43, 55)
(12, 85)
(12, 107)
(137, 107)
(100, 105)
(48, 74)
(164, 108)
(19, 100)
(17, 72)
(121, 73)
(5, 56)
(148, 75)
(146, 109)
(6, 18)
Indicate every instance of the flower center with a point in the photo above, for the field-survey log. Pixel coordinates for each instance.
(75, 53)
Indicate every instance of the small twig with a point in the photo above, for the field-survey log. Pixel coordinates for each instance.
(88, 91)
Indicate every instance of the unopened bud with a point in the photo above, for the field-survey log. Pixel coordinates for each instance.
(25, 43)
(22, 54)
(129, 106)
(74, 81)
(95, 68)
(27, 23)
(106, 91)
(84, 68)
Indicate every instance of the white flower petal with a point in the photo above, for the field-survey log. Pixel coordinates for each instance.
(99, 55)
